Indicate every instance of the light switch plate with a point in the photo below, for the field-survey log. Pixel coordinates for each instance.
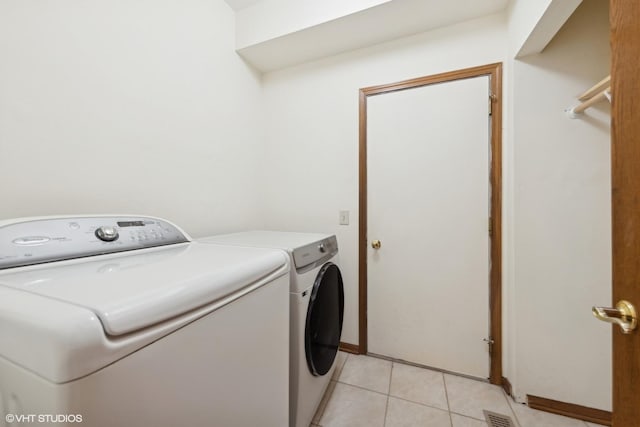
(344, 217)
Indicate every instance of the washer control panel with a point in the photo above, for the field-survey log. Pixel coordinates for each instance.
(107, 234)
(34, 241)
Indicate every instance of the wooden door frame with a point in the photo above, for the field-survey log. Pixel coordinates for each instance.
(494, 71)
(625, 202)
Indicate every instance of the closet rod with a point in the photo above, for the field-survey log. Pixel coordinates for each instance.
(596, 89)
(604, 94)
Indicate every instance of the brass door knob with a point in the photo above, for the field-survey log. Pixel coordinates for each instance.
(623, 315)
(375, 244)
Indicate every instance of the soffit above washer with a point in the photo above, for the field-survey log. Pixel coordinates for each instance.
(241, 4)
(274, 34)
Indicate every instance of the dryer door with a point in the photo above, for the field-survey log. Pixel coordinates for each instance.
(324, 320)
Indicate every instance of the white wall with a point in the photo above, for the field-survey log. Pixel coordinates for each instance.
(562, 248)
(312, 129)
(120, 106)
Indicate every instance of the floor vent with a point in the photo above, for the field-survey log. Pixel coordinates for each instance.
(498, 420)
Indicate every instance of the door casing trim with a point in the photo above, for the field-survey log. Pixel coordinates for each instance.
(494, 71)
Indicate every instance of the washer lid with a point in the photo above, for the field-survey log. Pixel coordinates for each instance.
(131, 291)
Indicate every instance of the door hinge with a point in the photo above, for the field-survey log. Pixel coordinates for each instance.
(490, 228)
(492, 98)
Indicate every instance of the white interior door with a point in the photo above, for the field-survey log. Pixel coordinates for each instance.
(428, 157)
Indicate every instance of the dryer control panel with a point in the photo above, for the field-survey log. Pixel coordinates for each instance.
(30, 241)
(315, 253)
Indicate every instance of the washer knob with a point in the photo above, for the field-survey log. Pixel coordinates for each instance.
(321, 248)
(107, 234)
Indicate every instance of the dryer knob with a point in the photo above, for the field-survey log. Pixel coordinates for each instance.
(107, 234)
(321, 248)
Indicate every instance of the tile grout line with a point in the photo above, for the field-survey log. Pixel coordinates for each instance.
(511, 403)
(397, 397)
(515, 416)
(386, 408)
(334, 386)
(420, 403)
(404, 399)
(446, 395)
(339, 373)
(363, 388)
(468, 416)
(428, 368)
(388, 395)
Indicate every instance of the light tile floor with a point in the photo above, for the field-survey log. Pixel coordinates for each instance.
(370, 392)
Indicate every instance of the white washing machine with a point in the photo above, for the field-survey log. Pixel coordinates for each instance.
(124, 321)
(317, 310)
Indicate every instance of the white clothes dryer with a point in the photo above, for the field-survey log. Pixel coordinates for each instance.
(124, 321)
(317, 311)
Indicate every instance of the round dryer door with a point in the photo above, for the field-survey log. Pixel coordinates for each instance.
(324, 319)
